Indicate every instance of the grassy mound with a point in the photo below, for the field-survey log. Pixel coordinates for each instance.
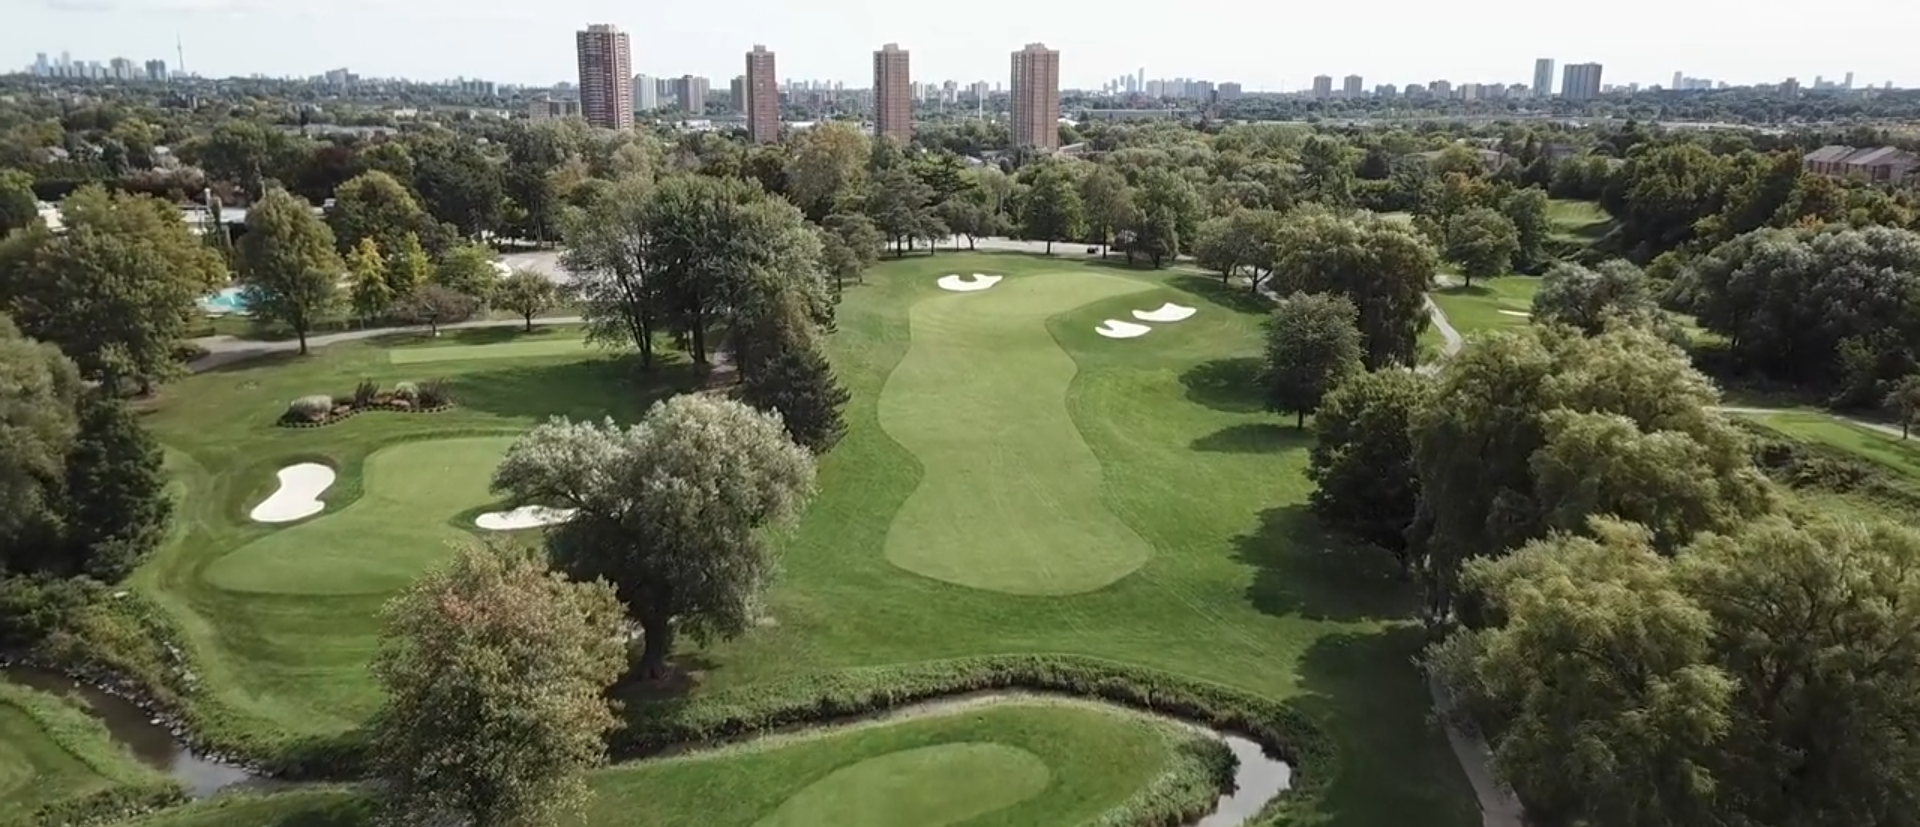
(58, 766)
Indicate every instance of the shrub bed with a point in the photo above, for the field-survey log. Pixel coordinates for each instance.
(432, 396)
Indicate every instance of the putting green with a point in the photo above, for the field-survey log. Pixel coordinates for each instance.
(503, 350)
(383, 540)
(1009, 494)
(928, 787)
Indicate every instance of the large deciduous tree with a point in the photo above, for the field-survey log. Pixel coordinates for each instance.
(37, 429)
(288, 269)
(1051, 210)
(374, 205)
(495, 671)
(1534, 431)
(610, 256)
(1362, 464)
(1109, 204)
(116, 289)
(18, 207)
(902, 206)
(828, 168)
(1312, 345)
(1381, 265)
(1588, 299)
(672, 511)
(528, 293)
(1481, 242)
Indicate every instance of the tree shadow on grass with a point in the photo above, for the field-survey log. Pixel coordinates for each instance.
(247, 358)
(1302, 569)
(581, 390)
(1229, 296)
(1231, 385)
(1466, 290)
(1254, 438)
(492, 335)
(1395, 766)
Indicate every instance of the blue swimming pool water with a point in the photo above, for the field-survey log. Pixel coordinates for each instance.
(228, 300)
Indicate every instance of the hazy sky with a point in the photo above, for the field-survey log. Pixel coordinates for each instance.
(1264, 45)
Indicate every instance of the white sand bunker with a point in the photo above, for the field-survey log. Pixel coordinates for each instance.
(1517, 313)
(968, 284)
(1116, 329)
(298, 496)
(524, 517)
(1168, 312)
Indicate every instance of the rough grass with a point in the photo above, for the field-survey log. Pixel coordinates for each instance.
(1577, 220)
(1885, 450)
(1019, 763)
(532, 345)
(1478, 308)
(51, 751)
(1009, 494)
(1241, 588)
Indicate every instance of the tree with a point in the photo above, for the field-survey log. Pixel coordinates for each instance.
(1312, 345)
(828, 168)
(1362, 464)
(468, 269)
(372, 296)
(1052, 210)
(608, 252)
(672, 511)
(288, 270)
(373, 205)
(969, 217)
(1380, 265)
(528, 293)
(1109, 204)
(495, 673)
(1904, 401)
(902, 207)
(116, 507)
(434, 305)
(849, 245)
(1611, 709)
(408, 266)
(458, 184)
(1526, 208)
(1326, 171)
(1536, 430)
(783, 371)
(116, 288)
(18, 207)
(1481, 242)
(1588, 299)
(1169, 207)
(38, 426)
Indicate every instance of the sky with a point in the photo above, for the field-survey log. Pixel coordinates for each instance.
(1263, 45)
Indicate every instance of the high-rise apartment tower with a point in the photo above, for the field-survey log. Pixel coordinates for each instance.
(763, 97)
(1035, 104)
(606, 76)
(1353, 86)
(892, 94)
(1580, 81)
(1543, 78)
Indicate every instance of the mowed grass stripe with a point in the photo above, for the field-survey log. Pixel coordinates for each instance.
(504, 350)
(1009, 495)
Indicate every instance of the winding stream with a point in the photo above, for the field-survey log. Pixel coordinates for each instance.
(145, 736)
(1257, 776)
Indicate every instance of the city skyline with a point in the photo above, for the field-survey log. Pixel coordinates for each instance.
(522, 45)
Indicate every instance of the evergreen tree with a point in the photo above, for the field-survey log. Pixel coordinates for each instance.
(800, 386)
(116, 492)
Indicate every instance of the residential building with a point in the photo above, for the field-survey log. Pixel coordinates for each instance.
(892, 94)
(646, 94)
(549, 109)
(737, 94)
(1034, 109)
(1876, 164)
(1231, 91)
(1580, 81)
(1323, 86)
(763, 97)
(1543, 78)
(606, 76)
(691, 92)
(1352, 87)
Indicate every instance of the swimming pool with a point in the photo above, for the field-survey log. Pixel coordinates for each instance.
(228, 300)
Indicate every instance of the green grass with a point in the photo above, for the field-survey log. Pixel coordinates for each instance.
(1490, 304)
(1239, 587)
(1009, 494)
(1578, 220)
(1023, 762)
(565, 346)
(51, 751)
(1886, 450)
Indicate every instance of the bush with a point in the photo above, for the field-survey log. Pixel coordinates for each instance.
(435, 393)
(34, 607)
(364, 393)
(1802, 464)
(407, 391)
(314, 408)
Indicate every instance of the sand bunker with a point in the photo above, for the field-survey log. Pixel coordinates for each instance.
(1517, 313)
(1168, 312)
(1116, 329)
(524, 517)
(968, 284)
(298, 496)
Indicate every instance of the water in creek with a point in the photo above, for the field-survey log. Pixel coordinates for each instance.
(149, 741)
(1258, 779)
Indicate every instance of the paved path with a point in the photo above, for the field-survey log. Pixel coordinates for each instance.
(226, 350)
